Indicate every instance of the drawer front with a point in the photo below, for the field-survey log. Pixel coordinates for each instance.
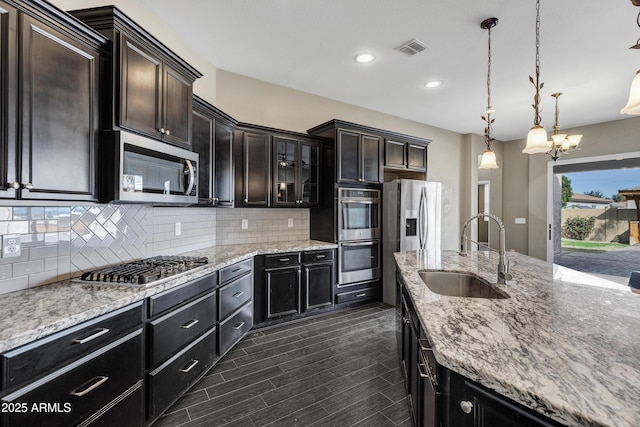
(234, 295)
(169, 333)
(366, 294)
(176, 296)
(317, 256)
(235, 327)
(236, 270)
(127, 412)
(76, 391)
(281, 260)
(47, 354)
(167, 382)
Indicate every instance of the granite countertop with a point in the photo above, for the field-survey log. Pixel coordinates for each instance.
(566, 344)
(35, 313)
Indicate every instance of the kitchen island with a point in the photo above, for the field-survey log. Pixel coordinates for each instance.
(565, 344)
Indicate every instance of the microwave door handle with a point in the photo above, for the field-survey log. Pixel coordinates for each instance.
(192, 177)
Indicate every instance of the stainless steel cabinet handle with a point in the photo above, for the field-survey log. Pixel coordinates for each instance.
(361, 295)
(161, 130)
(238, 294)
(189, 366)
(466, 406)
(320, 256)
(99, 332)
(283, 259)
(406, 321)
(235, 270)
(238, 325)
(98, 382)
(168, 132)
(28, 186)
(189, 324)
(15, 185)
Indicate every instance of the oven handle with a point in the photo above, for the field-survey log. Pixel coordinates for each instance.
(359, 244)
(192, 176)
(361, 202)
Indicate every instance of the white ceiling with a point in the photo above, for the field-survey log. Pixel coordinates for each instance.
(310, 45)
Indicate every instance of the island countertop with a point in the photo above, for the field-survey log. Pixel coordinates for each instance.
(35, 313)
(565, 344)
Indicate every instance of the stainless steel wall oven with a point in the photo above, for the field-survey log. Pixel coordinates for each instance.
(358, 261)
(358, 214)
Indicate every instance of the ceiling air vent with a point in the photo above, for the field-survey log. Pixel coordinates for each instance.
(412, 47)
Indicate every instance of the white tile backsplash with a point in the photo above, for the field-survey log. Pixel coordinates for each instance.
(60, 242)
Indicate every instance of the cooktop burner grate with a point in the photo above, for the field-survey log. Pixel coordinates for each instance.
(145, 271)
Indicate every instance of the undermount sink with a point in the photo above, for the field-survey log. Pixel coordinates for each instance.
(460, 285)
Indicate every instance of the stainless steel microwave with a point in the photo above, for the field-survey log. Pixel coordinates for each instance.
(150, 171)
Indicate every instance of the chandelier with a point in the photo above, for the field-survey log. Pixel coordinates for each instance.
(633, 105)
(561, 143)
(488, 160)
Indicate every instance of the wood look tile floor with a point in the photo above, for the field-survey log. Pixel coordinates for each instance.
(339, 369)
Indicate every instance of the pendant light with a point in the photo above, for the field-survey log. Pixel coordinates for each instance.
(537, 137)
(633, 105)
(561, 143)
(488, 157)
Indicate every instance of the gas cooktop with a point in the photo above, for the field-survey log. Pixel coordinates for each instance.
(145, 272)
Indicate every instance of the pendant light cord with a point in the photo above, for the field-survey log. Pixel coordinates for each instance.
(488, 139)
(536, 99)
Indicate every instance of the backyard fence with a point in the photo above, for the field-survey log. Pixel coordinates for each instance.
(612, 225)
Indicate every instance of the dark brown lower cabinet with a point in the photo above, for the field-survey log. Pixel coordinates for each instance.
(75, 392)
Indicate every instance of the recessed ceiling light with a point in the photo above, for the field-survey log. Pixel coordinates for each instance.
(432, 84)
(365, 58)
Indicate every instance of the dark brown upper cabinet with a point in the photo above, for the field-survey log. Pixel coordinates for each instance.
(404, 155)
(152, 87)
(253, 168)
(212, 139)
(358, 157)
(296, 172)
(54, 96)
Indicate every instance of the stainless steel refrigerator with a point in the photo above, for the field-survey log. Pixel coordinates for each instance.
(411, 218)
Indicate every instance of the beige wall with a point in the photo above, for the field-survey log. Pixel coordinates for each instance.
(525, 187)
(146, 18)
(258, 102)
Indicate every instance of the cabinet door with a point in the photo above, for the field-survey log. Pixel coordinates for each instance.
(371, 161)
(348, 156)
(256, 174)
(318, 285)
(176, 105)
(202, 138)
(309, 174)
(417, 157)
(285, 163)
(141, 85)
(8, 99)
(283, 291)
(394, 154)
(223, 178)
(60, 89)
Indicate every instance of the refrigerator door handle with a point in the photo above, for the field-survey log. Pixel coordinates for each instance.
(425, 217)
(421, 215)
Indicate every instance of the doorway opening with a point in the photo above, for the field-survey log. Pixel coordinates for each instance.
(589, 226)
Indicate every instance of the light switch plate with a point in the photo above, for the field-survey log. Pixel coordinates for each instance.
(245, 224)
(521, 220)
(290, 222)
(11, 246)
(178, 228)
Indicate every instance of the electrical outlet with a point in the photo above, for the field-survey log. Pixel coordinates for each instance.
(178, 228)
(245, 224)
(11, 246)
(290, 223)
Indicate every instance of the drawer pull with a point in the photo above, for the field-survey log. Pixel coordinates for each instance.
(238, 294)
(189, 324)
(96, 382)
(238, 325)
(361, 295)
(99, 332)
(320, 256)
(189, 366)
(283, 259)
(236, 270)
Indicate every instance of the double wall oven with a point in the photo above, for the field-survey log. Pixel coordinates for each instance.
(358, 235)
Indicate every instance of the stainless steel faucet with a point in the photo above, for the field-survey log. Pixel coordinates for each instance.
(503, 263)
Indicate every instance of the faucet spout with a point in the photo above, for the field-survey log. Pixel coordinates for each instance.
(503, 262)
